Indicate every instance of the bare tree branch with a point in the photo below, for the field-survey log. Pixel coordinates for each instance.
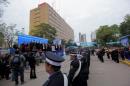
(8, 32)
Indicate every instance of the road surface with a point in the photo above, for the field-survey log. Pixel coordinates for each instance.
(101, 74)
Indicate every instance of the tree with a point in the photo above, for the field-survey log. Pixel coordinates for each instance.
(1, 38)
(125, 26)
(44, 30)
(8, 33)
(107, 34)
(104, 34)
(63, 42)
(2, 4)
(115, 32)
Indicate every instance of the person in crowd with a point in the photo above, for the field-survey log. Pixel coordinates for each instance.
(75, 67)
(7, 66)
(0, 67)
(93, 51)
(100, 54)
(17, 64)
(26, 55)
(115, 55)
(122, 54)
(53, 66)
(108, 53)
(32, 63)
(112, 54)
(37, 57)
(84, 74)
(3, 66)
(41, 53)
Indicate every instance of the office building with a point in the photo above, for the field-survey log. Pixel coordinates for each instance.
(44, 13)
(82, 37)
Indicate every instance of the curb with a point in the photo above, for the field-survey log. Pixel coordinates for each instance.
(127, 62)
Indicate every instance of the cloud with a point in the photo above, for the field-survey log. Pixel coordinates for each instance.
(82, 15)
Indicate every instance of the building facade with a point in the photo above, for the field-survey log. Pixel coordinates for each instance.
(82, 37)
(44, 13)
(93, 36)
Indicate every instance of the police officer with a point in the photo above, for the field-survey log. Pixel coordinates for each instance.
(115, 55)
(84, 73)
(86, 55)
(100, 55)
(52, 66)
(75, 67)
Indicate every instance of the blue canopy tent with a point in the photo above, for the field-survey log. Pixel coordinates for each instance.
(88, 44)
(28, 39)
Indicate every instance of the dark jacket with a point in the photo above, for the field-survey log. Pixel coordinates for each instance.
(56, 79)
(32, 61)
(73, 68)
(85, 67)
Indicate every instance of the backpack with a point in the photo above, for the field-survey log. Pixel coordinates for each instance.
(16, 62)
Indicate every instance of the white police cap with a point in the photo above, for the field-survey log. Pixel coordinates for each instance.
(53, 58)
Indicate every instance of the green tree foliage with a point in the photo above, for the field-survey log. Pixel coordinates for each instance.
(115, 32)
(44, 30)
(103, 34)
(107, 34)
(125, 26)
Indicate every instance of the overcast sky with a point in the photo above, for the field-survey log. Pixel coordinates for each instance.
(83, 16)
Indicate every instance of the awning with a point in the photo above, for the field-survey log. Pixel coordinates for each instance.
(28, 39)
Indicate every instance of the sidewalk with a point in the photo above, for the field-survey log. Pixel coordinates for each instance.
(42, 76)
(126, 61)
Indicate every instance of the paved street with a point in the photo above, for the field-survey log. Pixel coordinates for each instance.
(101, 74)
(108, 73)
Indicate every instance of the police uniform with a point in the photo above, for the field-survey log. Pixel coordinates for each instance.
(84, 74)
(57, 78)
(73, 77)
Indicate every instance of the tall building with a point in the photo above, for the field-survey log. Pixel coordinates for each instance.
(93, 36)
(44, 13)
(82, 37)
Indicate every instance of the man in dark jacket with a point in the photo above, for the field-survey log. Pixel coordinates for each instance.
(84, 73)
(32, 63)
(53, 65)
(75, 67)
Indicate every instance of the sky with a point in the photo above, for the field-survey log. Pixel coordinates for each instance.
(83, 16)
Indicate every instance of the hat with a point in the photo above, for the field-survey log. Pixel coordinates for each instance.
(72, 53)
(79, 56)
(53, 59)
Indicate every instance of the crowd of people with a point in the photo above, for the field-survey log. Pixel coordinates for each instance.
(30, 55)
(27, 56)
(114, 53)
(78, 73)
